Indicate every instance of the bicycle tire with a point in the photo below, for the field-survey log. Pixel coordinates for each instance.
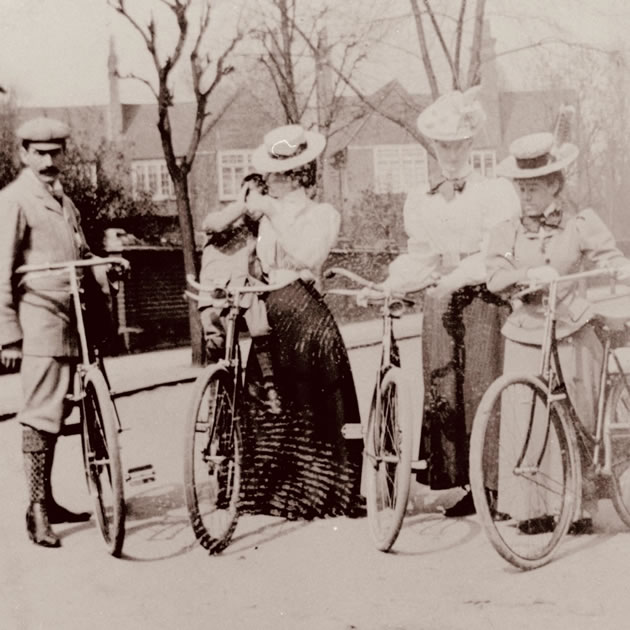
(617, 420)
(388, 448)
(522, 470)
(102, 461)
(213, 458)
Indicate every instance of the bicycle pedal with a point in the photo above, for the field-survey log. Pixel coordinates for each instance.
(139, 475)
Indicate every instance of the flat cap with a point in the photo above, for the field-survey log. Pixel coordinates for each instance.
(46, 131)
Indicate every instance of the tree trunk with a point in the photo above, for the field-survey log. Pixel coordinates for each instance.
(184, 214)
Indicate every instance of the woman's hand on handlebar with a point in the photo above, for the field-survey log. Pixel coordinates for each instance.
(366, 294)
(542, 275)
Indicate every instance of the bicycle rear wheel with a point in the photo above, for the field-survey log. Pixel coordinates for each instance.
(212, 458)
(524, 470)
(618, 425)
(388, 452)
(101, 457)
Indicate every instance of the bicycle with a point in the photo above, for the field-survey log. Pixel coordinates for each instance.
(553, 453)
(99, 421)
(388, 437)
(213, 447)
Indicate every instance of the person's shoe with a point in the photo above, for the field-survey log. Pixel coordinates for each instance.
(581, 526)
(464, 507)
(58, 514)
(492, 498)
(272, 401)
(537, 525)
(38, 527)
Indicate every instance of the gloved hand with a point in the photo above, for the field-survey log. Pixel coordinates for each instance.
(542, 274)
(450, 283)
(623, 272)
(366, 294)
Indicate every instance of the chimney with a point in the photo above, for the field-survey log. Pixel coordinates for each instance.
(115, 122)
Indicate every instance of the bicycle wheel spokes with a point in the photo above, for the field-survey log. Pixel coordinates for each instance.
(618, 424)
(523, 472)
(101, 454)
(213, 460)
(388, 452)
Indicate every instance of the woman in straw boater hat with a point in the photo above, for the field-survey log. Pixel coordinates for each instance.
(548, 239)
(297, 463)
(447, 228)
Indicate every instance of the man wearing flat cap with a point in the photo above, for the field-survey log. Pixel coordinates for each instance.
(40, 224)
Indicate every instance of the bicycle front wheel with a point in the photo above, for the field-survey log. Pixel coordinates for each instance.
(101, 457)
(212, 458)
(524, 470)
(618, 428)
(388, 452)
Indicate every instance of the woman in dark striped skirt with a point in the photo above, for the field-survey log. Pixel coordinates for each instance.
(448, 228)
(296, 462)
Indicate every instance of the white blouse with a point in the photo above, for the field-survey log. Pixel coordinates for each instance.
(295, 235)
(451, 236)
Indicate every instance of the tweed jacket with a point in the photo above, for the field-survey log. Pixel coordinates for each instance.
(580, 241)
(37, 229)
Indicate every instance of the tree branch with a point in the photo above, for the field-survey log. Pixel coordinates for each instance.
(474, 68)
(459, 35)
(445, 50)
(424, 50)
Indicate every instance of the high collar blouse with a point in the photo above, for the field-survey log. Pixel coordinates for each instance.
(451, 235)
(579, 240)
(295, 235)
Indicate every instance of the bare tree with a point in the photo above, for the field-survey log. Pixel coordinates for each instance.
(207, 72)
(295, 52)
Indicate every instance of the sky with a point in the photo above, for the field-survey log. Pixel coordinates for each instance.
(54, 52)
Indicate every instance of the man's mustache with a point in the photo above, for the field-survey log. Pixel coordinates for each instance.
(50, 171)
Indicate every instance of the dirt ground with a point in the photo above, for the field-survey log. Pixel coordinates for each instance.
(320, 575)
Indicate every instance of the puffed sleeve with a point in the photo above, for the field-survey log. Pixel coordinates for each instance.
(308, 236)
(502, 273)
(596, 240)
(414, 268)
(11, 237)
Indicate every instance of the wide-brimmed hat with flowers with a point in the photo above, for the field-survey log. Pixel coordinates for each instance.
(536, 155)
(454, 116)
(286, 148)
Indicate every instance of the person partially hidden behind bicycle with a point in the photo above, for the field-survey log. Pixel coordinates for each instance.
(229, 260)
(550, 238)
(40, 224)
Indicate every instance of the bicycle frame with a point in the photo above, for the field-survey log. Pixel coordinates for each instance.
(551, 373)
(71, 268)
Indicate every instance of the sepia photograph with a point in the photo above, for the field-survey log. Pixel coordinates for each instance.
(314, 314)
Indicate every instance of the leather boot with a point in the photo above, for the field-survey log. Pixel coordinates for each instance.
(38, 527)
(37, 447)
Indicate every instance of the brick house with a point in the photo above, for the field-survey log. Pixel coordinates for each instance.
(368, 153)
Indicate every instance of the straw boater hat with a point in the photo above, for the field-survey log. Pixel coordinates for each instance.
(47, 133)
(454, 116)
(536, 155)
(286, 148)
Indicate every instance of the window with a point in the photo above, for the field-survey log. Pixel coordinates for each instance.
(399, 167)
(233, 166)
(484, 161)
(152, 176)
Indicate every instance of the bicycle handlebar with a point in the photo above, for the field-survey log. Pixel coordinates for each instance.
(541, 285)
(260, 288)
(74, 264)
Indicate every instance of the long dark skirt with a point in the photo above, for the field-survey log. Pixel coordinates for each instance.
(297, 464)
(462, 353)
